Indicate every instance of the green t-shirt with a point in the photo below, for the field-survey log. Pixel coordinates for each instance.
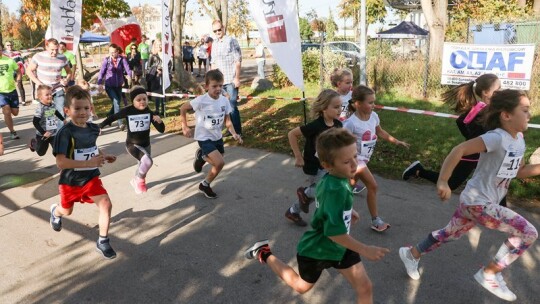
(128, 48)
(144, 49)
(72, 61)
(332, 217)
(8, 67)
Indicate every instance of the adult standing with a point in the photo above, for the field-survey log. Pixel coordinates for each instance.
(134, 60)
(227, 57)
(260, 58)
(113, 69)
(46, 68)
(154, 75)
(17, 57)
(9, 100)
(187, 56)
(144, 49)
(62, 49)
(202, 55)
(128, 47)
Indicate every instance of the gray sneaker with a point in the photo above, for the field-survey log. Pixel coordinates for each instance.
(56, 222)
(14, 135)
(105, 249)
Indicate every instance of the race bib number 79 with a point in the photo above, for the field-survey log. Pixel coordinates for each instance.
(85, 154)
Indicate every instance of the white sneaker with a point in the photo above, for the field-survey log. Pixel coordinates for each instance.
(411, 264)
(495, 284)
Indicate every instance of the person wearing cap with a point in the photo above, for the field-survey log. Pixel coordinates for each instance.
(139, 117)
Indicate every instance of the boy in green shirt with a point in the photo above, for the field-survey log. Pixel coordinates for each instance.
(328, 244)
(144, 49)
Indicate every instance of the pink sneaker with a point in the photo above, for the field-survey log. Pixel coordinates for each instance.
(138, 184)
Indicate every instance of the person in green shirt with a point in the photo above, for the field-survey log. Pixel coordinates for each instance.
(62, 49)
(329, 243)
(144, 49)
(9, 99)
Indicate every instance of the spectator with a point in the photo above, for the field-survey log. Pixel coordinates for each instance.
(134, 60)
(9, 100)
(260, 58)
(154, 81)
(227, 57)
(132, 43)
(46, 68)
(17, 57)
(187, 56)
(144, 49)
(209, 42)
(112, 73)
(202, 55)
(62, 49)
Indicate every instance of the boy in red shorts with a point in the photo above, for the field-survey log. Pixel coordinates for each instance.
(78, 156)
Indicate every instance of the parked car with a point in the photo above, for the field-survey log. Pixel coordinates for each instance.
(349, 50)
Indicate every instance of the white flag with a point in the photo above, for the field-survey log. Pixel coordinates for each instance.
(112, 24)
(65, 24)
(277, 21)
(166, 42)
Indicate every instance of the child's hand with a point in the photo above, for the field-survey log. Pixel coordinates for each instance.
(374, 253)
(47, 134)
(402, 143)
(96, 161)
(443, 190)
(299, 162)
(157, 119)
(110, 158)
(187, 132)
(238, 138)
(355, 216)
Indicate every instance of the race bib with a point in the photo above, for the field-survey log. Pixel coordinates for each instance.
(51, 123)
(139, 123)
(510, 165)
(85, 154)
(366, 148)
(213, 121)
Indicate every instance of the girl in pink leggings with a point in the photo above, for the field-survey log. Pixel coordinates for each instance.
(501, 159)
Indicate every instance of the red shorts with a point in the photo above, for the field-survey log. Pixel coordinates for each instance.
(71, 194)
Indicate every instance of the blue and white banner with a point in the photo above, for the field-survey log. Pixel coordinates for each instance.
(277, 22)
(512, 63)
(166, 42)
(65, 22)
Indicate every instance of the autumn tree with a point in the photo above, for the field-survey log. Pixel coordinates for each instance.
(239, 22)
(305, 29)
(375, 10)
(331, 27)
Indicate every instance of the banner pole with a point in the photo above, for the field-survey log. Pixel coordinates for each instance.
(304, 106)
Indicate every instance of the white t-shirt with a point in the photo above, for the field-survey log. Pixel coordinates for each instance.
(210, 115)
(203, 51)
(344, 105)
(365, 132)
(496, 168)
(259, 52)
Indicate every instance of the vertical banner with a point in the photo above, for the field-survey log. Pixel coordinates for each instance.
(166, 42)
(277, 21)
(65, 24)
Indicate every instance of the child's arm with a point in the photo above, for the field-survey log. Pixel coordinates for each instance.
(38, 127)
(230, 127)
(158, 123)
(473, 146)
(183, 113)
(372, 253)
(294, 136)
(108, 157)
(119, 115)
(389, 138)
(528, 170)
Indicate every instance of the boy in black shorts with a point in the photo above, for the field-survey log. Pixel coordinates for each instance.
(46, 118)
(78, 156)
(328, 244)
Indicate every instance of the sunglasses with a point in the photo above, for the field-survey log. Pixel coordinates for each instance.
(218, 30)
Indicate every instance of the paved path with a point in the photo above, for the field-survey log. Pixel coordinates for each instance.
(176, 246)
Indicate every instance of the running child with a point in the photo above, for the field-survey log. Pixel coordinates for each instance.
(139, 117)
(212, 110)
(78, 156)
(93, 92)
(45, 121)
(501, 159)
(329, 243)
(365, 125)
(326, 109)
(469, 100)
(342, 80)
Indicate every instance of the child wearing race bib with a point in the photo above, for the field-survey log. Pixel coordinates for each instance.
(45, 121)
(501, 151)
(342, 80)
(365, 125)
(139, 117)
(79, 158)
(329, 244)
(212, 111)
(326, 109)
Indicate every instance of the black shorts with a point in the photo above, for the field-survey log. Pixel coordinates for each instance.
(310, 269)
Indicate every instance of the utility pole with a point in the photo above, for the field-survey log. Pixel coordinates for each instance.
(363, 31)
(1, 38)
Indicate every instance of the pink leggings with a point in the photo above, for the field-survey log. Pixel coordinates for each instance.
(521, 232)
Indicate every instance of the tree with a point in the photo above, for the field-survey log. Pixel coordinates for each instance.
(331, 27)
(305, 29)
(217, 10)
(240, 21)
(436, 14)
(375, 10)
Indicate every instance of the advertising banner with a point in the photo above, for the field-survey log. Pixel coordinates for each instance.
(65, 24)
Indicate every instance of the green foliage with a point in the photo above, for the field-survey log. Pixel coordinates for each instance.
(331, 27)
(375, 10)
(305, 29)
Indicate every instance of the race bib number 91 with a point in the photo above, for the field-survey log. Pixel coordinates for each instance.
(214, 121)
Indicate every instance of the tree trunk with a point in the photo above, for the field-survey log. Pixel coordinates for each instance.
(437, 18)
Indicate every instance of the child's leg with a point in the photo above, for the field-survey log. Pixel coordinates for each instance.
(288, 275)
(103, 202)
(359, 280)
(142, 154)
(367, 178)
(42, 144)
(215, 159)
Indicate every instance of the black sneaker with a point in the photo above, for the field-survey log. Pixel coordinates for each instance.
(207, 191)
(411, 170)
(32, 145)
(56, 222)
(199, 162)
(295, 218)
(105, 249)
(256, 250)
(14, 135)
(303, 199)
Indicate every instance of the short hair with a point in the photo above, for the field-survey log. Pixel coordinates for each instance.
(214, 75)
(330, 141)
(51, 41)
(133, 39)
(76, 92)
(62, 43)
(42, 87)
(217, 21)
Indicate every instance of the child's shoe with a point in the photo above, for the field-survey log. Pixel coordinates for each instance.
(379, 225)
(198, 163)
(295, 218)
(412, 170)
(259, 250)
(207, 191)
(495, 284)
(32, 145)
(105, 249)
(56, 222)
(358, 188)
(411, 264)
(138, 184)
(303, 199)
